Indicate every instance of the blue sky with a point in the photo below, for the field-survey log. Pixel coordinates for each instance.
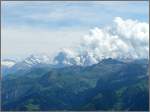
(59, 24)
(74, 14)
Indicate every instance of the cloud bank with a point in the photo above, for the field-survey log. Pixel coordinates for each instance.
(124, 39)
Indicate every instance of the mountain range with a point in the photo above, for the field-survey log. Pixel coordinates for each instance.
(111, 84)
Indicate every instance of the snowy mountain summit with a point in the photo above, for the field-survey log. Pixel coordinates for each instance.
(36, 59)
(8, 63)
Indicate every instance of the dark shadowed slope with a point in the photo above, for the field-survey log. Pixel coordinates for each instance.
(108, 85)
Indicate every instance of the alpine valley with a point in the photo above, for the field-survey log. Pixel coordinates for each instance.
(110, 84)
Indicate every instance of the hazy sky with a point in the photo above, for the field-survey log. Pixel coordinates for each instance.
(45, 27)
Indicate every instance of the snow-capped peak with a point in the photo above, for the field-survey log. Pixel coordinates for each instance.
(32, 60)
(8, 63)
(37, 59)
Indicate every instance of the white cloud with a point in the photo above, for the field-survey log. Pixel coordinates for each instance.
(125, 39)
